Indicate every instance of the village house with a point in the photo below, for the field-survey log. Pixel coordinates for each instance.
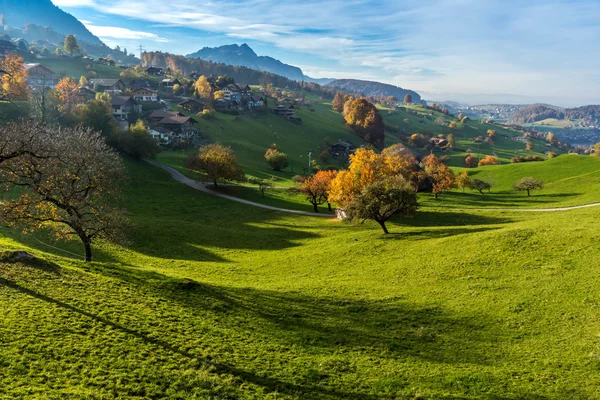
(438, 142)
(40, 76)
(255, 102)
(143, 94)
(177, 124)
(342, 149)
(170, 82)
(86, 93)
(143, 83)
(244, 90)
(155, 71)
(124, 105)
(112, 86)
(159, 115)
(224, 104)
(286, 111)
(192, 106)
(195, 75)
(232, 93)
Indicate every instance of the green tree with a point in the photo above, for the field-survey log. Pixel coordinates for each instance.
(276, 159)
(528, 184)
(480, 185)
(218, 161)
(382, 200)
(97, 115)
(71, 46)
(136, 141)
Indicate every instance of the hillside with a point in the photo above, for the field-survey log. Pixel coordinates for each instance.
(370, 88)
(213, 299)
(18, 13)
(537, 112)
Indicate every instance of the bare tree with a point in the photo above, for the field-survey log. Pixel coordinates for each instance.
(68, 180)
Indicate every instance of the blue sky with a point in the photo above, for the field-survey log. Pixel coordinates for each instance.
(466, 50)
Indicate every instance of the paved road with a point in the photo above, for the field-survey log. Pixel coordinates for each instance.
(178, 176)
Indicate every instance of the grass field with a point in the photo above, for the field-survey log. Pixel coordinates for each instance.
(217, 300)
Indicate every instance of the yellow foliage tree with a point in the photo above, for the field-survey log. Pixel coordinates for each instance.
(202, 88)
(13, 77)
(67, 94)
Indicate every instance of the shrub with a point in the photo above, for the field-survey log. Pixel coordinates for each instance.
(522, 159)
(470, 161)
(489, 160)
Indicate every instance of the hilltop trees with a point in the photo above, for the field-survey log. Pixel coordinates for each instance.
(364, 119)
(70, 45)
(13, 77)
(528, 184)
(68, 181)
(408, 99)
(383, 199)
(276, 159)
(218, 161)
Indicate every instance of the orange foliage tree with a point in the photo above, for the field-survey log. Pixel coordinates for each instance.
(316, 188)
(364, 119)
(489, 160)
(67, 93)
(13, 77)
(440, 174)
(470, 161)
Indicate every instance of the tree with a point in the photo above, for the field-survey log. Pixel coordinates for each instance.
(529, 146)
(528, 184)
(83, 81)
(276, 159)
(596, 150)
(71, 46)
(440, 174)
(552, 139)
(218, 161)
(338, 102)
(72, 189)
(400, 160)
(219, 95)
(202, 88)
(364, 119)
(463, 180)
(408, 99)
(450, 139)
(488, 160)
(491, 134)
(470, 161)
(13, 77)
(381, 200)
(316, 188)
(67, 94)
(262, 184)
(480, 185)
(97, 115)
(136, 141)
(177, 89)
(418, 140)
(452, 125)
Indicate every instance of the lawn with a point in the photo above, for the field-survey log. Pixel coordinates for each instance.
(213, 299)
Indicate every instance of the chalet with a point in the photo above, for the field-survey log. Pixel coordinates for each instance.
(232, 93)
(161, 135)
(286, 111)
(122, 106)
(170, 82)
(438, 142)
(143, 83)
(159, 115)
(155, 71)
(40, 76)
(194, 76)
(177, 124)
(143, 94)
(255, 102)
(244, 90)
(192, 106)
(113, 86)
(86, 93)
(342, 149)
(224, 104)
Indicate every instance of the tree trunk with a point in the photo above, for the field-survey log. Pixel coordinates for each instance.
(315, 207)
(435, 195)
(528, 194)
(88, 251)
(329, 206)
(382, 224)
(215, 182)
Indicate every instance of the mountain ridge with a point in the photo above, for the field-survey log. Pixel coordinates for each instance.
(372, 88)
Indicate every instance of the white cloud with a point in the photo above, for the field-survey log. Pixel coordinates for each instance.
(114, 32)
(74, 3)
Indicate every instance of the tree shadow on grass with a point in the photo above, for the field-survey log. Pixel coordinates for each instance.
(443, 218)
(508, 199)
(432, 233)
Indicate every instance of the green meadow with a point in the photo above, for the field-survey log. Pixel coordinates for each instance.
(212, 299)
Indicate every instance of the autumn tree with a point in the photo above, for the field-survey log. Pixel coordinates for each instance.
(83, 81)
(470, 161)
(382, 200)
(418, 140)
(440, 175)
(202, 88)
(552, 139)
(463, 180)
(316, 188)
(491, 134)
(218, 161)
(450, 140)
(364, 119)
(489, 160)
(13, 77)
(452, 125)
(528, 184)
(408, 99)
(529, 146)
(97, 115)
(400, 160)
(67, 94)
(71, 46)
(596, 149)
(276, 158)
(219, 95)
(71, 189)
(338, 102)
(480, 185)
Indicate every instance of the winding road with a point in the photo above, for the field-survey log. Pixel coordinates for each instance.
(178, 176)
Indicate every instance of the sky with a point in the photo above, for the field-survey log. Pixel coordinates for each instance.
(473, 51)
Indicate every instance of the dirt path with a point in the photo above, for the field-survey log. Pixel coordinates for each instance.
(179, 177)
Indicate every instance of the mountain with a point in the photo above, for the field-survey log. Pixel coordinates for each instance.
(537, 112)
(370, 88)
(244, 56)
(18, 13)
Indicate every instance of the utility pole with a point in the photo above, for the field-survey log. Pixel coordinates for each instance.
(141, 51)
(309, 161)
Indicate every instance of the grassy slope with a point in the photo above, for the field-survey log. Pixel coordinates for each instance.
(218, 299)
(76, 68)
